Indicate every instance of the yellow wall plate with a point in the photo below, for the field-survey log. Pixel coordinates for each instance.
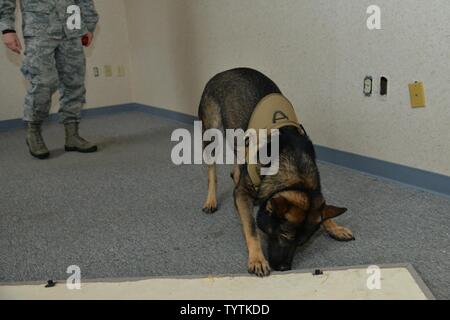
(417, 93)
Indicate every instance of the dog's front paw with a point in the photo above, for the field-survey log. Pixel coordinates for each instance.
(210, 207)
(259, 266)
(341, 234)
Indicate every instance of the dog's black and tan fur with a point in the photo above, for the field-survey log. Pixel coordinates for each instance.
(291, 205)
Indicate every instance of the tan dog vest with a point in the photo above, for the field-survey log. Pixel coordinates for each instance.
(272, 112)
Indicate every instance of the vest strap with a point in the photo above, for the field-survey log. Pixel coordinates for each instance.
(272, 112)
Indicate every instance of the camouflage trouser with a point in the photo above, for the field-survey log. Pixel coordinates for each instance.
(50, 64)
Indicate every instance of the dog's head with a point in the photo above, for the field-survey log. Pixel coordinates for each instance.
(289, 219)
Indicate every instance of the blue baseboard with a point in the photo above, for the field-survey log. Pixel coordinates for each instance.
(417, 178)
(6, 125)
(425, 180)
(165, 113)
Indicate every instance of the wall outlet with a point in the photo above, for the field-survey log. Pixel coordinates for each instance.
(368, 86)
(107, 69)
(96, 71)
(121, 71)
(417, 93)
(384, 86)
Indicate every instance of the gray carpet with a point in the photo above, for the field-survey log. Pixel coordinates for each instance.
(127, 211)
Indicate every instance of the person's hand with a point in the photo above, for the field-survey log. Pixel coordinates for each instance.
(11, 40)
(88, 39)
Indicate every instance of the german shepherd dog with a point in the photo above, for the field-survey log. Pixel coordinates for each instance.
(291, 205)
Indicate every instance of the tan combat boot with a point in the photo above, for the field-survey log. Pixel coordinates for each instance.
(35, 142)
(74, 142)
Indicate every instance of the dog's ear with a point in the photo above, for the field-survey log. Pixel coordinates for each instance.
(330, 212)
(278, 205)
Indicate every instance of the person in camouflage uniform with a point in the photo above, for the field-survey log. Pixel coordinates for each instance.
(54, 59)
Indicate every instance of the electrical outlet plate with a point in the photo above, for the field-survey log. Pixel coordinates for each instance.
(368, 86)
(96, 72)
(417, 94)
(108, 71)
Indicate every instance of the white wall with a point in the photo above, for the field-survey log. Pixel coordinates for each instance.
(413, 45)
(187, 42)
(110, 47)
(319, 52)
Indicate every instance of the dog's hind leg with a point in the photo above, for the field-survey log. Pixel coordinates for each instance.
(209, 113)
(337, 232)
(210, 205)
(257, 263)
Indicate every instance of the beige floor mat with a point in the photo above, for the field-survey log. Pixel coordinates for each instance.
(396, 282)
